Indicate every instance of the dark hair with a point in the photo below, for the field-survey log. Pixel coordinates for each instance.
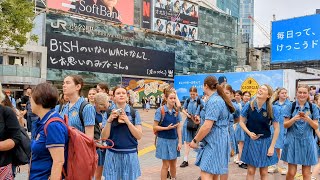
(178, 25)
(6, 101)
(228, 87)
(118, 87)
(45, 94)
(77, 79)
(158, 21)
(212, 84)
(313, 88)
(246, 92)
(104, 86)
(221, 79)
(29, 88)
(233, 92)
(193, 89)
(238, 92)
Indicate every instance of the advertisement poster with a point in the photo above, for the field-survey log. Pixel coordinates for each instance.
(146, 14)
(73, 53)
(121, 11)
(244, 81)
(139, 88)
(296, 39)
(176, 17)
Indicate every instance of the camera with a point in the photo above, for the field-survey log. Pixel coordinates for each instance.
(118, 111)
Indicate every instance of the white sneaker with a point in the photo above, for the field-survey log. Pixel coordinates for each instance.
(235, 159)
(272, 169)
(283, 170)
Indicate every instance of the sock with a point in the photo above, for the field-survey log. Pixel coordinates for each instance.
(185, 159)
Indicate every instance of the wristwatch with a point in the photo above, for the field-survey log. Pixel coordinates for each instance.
(194, 140)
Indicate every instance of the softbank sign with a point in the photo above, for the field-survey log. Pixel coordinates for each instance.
(121, 11)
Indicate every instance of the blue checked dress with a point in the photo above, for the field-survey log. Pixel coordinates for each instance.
(283, 131)
(240, 134)
(233, 139)
(300, 145)
(213, 157)
(255, 152)
(188, 135)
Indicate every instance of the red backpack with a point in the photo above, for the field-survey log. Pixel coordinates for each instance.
(82, 155)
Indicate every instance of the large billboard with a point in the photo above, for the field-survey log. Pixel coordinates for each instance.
(121, 11)
(74, 53)
(176, 17)
(244, 81)
(296, 39)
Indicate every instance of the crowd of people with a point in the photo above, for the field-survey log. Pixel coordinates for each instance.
(257, 131)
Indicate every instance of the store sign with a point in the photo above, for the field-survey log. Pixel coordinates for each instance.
(73, 53)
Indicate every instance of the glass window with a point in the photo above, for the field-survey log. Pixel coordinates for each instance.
(14, 60)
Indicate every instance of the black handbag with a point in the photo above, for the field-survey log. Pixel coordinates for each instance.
(191, 126)
(22, 151)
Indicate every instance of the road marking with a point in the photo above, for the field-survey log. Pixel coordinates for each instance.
(147, 125)
(146, 150)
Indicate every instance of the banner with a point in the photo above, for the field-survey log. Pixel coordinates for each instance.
(139, 88)
(121, 11)
(146, 14)
(176, 17)
(73, 53)
(244, 81)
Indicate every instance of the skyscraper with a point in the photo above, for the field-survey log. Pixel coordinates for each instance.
(246, 23)
(230, 7)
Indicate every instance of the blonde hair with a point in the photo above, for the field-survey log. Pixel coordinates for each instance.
(275, 96)
(101, 98)
(2, 96)
(269, 102)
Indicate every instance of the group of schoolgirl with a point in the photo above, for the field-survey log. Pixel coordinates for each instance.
(269, 124)
(115, 120)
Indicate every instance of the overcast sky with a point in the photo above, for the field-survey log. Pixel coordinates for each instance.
(283, 9)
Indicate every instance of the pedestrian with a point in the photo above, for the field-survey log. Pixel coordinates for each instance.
(63, 100)
(316, 168)
(189, 109)
(240, 134)
(92, 92)
(101, 101)
(301, 120)
(122, 160)
(103, 87)
(214, 154)
(72, 86)
(259, 145)
(30, 116)
(147, 104)
(9, 138)
(143, 101)
(281, 102)
(169, 141)
(158, 101)
(49, 150)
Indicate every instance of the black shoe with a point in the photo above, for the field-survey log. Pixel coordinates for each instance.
(168, 175)
(184, 164)
(199, 178)
(243, 166)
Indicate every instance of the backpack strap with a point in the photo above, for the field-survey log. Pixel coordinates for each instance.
(163, 113)
(50, 121)
(133, 114)
(82, 106)
(293, 107)
(311, 108)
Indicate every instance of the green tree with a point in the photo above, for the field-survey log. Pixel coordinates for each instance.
(16, 20)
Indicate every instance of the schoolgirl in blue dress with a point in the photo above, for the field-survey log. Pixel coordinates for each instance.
(122, 160)
(240, 134)
(316, 168)
(169, 141)
(72, 86)
(213, 157)
(300, 145)
(259, 146)
(189, 109)
(281, 102)
(101, 103)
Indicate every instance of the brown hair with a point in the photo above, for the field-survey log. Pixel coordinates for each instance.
(212, 84)
(246, 92)
(166, 95)
(104, 86)
(118, 87)
(268, 101)
(304, 86)
(228, 87)
(316, 98)
(77, 79)
(238, 92)
(275, 96)
(6, 101)
(193, 89)
(45, 94)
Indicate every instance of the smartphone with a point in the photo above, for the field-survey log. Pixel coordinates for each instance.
(301, 113)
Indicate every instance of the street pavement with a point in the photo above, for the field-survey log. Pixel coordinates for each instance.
(151, 166)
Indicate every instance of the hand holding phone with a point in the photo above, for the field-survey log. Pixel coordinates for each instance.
(301, 114)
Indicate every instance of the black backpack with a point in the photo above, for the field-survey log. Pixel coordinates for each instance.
(97, 129)
(198, 103)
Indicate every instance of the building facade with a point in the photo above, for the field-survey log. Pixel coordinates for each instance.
(246, 24)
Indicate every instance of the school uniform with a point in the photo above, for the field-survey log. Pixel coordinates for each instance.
(188, 135)
(283, 131)
(200, 111)
(101, 117)
(300, 145)
(57, 136)
(255, 152)
(214, 154)
(122, 160)
(232, 133)
(167, 141)
(240, 134)
(73, 114)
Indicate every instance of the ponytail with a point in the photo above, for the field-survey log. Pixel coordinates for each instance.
(225, 98)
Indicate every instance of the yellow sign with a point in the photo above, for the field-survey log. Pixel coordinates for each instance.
(250, 85)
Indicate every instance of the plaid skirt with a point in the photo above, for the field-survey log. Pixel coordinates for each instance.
(6, 172)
